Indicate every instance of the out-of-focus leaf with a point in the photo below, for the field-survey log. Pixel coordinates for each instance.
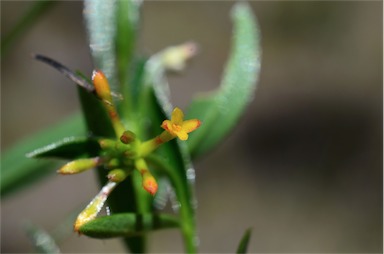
(42, 241)
(163, 193)
(243, 245)
(37, 9)
(100, 21)
(17, 170)
(68, 148)
(127, 225)
(219, 111)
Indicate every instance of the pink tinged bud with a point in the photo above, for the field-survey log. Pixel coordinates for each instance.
(107, 143)
(94, 207)
(78, 166)
(117, 175)
(175, 58)
(128, 137)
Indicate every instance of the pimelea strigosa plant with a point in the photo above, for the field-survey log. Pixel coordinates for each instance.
(139, 143)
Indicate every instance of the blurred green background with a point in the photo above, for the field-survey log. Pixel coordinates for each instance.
(303, 168)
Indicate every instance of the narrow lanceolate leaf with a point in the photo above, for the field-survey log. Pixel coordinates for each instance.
(100, 22)
(243, 245)
(68, 148)
(78, 79)
(127, 225)
(220, 111)
(17, 170)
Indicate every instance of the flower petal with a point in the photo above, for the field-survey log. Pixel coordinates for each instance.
(177, 116)
(182, 135)
(166, 125)
(190, 125)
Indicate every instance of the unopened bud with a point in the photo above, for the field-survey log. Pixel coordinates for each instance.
(117, 175)
(174, 58)
(78, 166)
(104, 93)
(128, 137)
(107, 143)
(113, 163)
(149, 183)
(94, 207)
(101, 86)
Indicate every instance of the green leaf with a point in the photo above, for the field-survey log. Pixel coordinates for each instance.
(127, 19)
(219, 111)
(17, 170)
(96, 118)
(68, 148)
(100, 23)
(127, 225)
(77, 78)
(37, 9)
(243, 245)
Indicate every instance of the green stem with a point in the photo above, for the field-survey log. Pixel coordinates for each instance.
(149, 146)
(186, 212)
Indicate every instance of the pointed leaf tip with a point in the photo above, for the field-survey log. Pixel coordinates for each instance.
(243, 245)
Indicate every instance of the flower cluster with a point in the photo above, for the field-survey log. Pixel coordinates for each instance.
(125, 154)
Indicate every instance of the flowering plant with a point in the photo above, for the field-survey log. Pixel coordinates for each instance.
(138, 142)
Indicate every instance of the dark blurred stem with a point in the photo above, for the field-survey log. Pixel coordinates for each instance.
(29, 18)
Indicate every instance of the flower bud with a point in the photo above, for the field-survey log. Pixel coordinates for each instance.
(94, 207)
(149, 183)
(128, 137)
(107, 143)
(78, 166)
(112, 163)
(101, 85)
(117, 175)
(174, 58)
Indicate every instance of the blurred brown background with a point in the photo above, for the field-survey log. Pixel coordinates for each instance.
(304, 166)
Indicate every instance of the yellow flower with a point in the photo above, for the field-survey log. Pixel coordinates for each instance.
(178, 127)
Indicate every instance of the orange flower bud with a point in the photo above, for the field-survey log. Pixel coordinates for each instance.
(104, 93)
(149, 183)
(101, 85)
